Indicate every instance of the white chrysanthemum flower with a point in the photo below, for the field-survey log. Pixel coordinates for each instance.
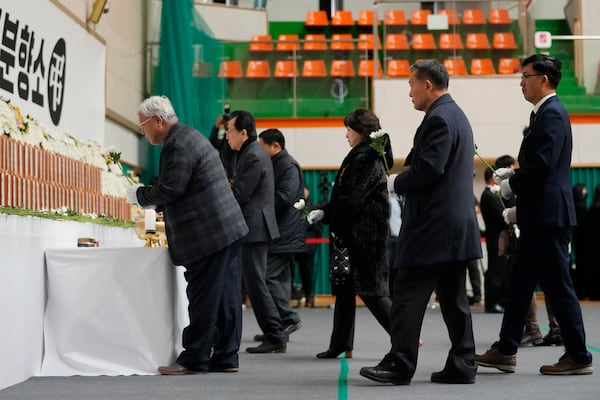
(377, 134)
(300, 204)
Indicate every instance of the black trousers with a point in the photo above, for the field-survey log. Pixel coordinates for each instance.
(412, 289)
(543, 256)
(214, 293)
(279, 282)
(253, 258)
(342, 336)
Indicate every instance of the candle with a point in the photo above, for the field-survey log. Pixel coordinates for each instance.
(150, 220)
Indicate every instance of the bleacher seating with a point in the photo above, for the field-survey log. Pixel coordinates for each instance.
(509, 66)
(342, 18)
(261, 43)
(423, 41)
(342, 41)
(450, 41)
(504, 41)
(288, 42)
(365, 19)
(477, 41)
(316, 19)
(499, 16)
(315, 42)
(452, 16)
(366, 42)
(419, 17)
(396, 41)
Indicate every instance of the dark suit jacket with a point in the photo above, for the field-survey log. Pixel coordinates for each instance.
(201, 214)
(439, 223)
(491, 211)
(542, 183)
(254, 189)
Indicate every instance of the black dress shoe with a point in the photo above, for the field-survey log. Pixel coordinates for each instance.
(267, 347)
(222, 368)
(293, 327)
(533, 338)
(385, 372)
(260, 338)
(444, 377)
(551, 339)
(334, 353)
(495, 309)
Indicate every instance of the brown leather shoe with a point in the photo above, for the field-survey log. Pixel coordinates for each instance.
(494, 359)
(567, 366)
(177, 369)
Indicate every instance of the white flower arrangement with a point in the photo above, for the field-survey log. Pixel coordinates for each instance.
(300, 205)
(25, 129)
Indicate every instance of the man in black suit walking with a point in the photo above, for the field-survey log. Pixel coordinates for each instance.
(546, 215)
(253, 186)
(192, 189)
(439, 234)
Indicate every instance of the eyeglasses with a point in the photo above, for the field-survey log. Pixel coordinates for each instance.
(144, 122)
(524, 76)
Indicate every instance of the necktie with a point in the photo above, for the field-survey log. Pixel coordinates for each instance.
(531, 118)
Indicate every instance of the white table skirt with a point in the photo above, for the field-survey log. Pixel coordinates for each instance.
(112, 311)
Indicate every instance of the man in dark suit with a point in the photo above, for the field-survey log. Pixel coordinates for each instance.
(253, 186)
(439, 234)
(193, 190)
(545, 214)
(289, 188)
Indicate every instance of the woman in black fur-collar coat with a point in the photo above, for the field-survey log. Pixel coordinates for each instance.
(358, 213)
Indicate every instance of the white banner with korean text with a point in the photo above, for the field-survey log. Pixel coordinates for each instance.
(52, 69)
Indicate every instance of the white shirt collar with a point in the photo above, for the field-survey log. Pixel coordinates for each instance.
(539, 103)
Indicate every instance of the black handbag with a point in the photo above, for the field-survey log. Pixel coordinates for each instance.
(339, 262)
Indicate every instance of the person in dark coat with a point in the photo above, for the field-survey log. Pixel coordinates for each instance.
(193, 190)
(357, 213)
(439, 234)
(546, 215)
(289, 185)
(253, 186)
(580, 274)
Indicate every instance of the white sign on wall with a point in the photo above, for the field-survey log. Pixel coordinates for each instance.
(52, 69)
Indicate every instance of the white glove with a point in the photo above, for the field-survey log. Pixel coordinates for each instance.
(390, 182)
(505, 189)
(315, 216)
(503, 173)
(510, 215)
(131, 194)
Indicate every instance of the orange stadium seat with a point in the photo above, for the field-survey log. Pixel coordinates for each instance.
(450, 41)
(258, 69)
(342, 41)
(398, 68)
(342, 68)
(230, 69)
(504, 41)
(396, 41)
(367, 68)
(509, 65)
(419, 17)
(366, 42)
(482, 66)
(285, 69)
(473, 16)
(455, 66)
(365, 18)
(261, 43)
(478, 41)
(315, 42)
(423, 41)
(288, 42)
(316, 19)
(342, 18)
(394, 18)
(499, 16)
(314, 69)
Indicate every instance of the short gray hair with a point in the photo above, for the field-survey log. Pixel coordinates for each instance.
(157, 105)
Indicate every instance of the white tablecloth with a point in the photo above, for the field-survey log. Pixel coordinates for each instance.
(110, 311)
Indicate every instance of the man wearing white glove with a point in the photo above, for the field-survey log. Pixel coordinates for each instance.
(315, 216)
(542, 186)
(131, 194)
(505, 189)
(510, 215)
